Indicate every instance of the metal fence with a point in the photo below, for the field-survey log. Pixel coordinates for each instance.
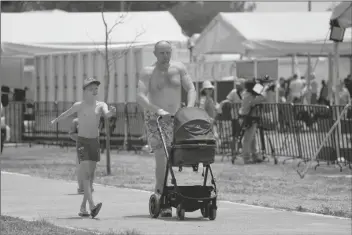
(291, 130)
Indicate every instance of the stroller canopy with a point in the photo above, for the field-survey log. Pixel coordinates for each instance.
(192, 123)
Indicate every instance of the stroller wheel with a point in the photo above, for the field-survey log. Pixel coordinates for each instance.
(154, 205)
(212, 212)
(180, 212)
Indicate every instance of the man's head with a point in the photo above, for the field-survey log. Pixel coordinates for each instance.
(162, 52)
(90, 86)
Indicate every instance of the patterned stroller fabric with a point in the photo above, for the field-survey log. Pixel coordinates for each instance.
(193, 125)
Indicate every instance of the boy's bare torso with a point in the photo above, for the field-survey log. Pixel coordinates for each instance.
(89, 117)
(165, 87)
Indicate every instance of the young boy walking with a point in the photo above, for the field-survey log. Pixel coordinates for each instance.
(89, 111)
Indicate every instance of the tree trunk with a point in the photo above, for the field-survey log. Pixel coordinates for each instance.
(106, 95)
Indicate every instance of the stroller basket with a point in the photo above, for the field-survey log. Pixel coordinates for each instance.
(192, 154)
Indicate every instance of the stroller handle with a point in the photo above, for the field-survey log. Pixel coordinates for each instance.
(160, 117)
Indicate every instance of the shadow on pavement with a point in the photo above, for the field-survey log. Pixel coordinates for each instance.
(174, 218)
(77, 218)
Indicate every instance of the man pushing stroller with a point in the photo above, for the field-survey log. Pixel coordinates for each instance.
(159, 93)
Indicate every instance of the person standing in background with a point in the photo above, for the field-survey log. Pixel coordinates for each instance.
(324, 92)
(207, 103)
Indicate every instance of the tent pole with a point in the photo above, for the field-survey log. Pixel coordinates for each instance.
(309, 77)
(336, 77)
(293, 64)
(330, 82)
(336, 81)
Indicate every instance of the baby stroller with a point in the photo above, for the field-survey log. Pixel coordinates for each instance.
(193, 143)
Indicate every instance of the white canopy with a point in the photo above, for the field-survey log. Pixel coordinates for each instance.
(46, 31)
(343, 13)
(269, 34)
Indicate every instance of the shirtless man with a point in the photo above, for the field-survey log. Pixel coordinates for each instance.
(88, 149)
(159, 93)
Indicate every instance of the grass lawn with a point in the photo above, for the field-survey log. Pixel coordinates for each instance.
(324, 191)
(15, 226)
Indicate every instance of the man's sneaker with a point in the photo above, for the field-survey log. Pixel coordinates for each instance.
(167, 212)
(95, 211)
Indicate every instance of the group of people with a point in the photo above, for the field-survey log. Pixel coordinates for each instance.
(159, 93)
(247, 117)
(297, 90)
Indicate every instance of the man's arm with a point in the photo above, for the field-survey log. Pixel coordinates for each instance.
(73, 130)
(188, 85)
(143, 90)
(75, 107)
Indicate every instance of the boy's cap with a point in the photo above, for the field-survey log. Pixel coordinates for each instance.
(89, 81)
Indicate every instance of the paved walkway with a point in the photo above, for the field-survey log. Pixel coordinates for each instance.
(54, 200)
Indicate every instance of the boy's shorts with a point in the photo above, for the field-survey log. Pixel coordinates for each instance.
(88, 149)
(153, 135)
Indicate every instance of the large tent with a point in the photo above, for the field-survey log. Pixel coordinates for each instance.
(343, 14)
(270, 34)
(58, 31)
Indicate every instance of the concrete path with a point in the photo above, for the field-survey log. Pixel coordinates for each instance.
(55, 200)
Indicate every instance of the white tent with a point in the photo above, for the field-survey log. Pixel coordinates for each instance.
(46, 31)
(269, 34)
(343, 13)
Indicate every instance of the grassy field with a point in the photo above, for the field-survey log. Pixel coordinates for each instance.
(324, 191)
(15, 226)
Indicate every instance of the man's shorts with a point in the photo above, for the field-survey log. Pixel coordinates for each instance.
(88, 149)
(153, 135)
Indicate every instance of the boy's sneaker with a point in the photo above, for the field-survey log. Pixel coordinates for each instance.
(83, 213)
(167, 212)
(95, 211)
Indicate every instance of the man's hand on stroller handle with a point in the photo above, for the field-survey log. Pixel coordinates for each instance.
(163, 114)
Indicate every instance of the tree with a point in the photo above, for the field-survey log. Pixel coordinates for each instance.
(110, 57)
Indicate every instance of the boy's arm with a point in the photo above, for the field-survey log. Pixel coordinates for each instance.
(106, 112)
(75, 107)
(73, 130)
